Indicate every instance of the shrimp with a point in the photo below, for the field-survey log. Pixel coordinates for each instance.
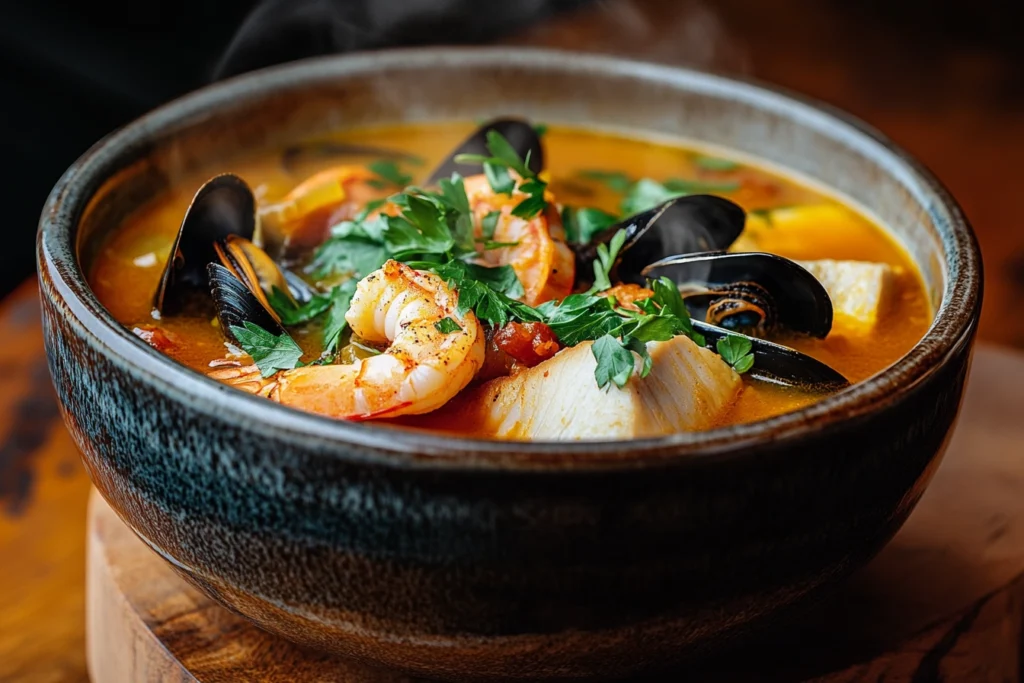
(539, 256)
(302, 219)
(421, 370)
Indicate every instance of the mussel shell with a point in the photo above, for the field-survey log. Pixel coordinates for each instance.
(519, 133)
(682, 225)
(802, 303)
(223, 206)
(258, 271)
(780, 364)
(236, 305)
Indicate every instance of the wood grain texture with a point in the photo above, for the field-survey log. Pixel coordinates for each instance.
(944, 601)
(958, 107)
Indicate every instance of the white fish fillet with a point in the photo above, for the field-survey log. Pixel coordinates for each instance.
(689, 388)
(860, 290)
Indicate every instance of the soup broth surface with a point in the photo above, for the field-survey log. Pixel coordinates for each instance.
(127, 271)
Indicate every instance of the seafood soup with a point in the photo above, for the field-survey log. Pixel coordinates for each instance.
(519, 283)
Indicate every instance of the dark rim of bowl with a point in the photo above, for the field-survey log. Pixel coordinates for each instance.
(951, 328)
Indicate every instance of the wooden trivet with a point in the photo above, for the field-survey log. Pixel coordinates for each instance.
(943, 602)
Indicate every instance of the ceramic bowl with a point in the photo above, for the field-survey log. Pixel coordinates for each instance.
(479, 559)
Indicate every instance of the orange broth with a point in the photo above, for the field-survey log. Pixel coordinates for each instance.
(126, 273)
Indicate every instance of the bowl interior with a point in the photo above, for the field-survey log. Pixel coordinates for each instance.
(266, 110)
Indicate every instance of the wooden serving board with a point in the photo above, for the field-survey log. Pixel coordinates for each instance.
(943, 602)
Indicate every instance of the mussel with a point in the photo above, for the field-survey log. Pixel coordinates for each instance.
(520, 135)
(755, 293)
(780, 364)
(236, 304)
(258, 271)
(682, 225)
(223, 206)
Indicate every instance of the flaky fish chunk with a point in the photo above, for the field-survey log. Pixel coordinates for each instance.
(689, 388)
(860, 290)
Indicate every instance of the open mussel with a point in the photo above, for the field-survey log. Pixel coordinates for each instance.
(236, 304)
(223, 206)
(520, 135)
(682, 225)
(780, 364)
(754, 293)
(258, 272)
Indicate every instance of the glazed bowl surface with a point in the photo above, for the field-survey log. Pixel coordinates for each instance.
(471, 559)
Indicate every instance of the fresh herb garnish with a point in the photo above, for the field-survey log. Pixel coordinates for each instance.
(534, 203)
(270, 352)
(606, 256)
(736, 351)
(355, 247)
(489, 292)
(447, 326)
(499, 178)
(615, 362)
(292, 314)
(646, 193)
(714, 163)
(489, 223)
(504, 158)
(335, 324)
(389, 175)
(582, 223)
(540, 129)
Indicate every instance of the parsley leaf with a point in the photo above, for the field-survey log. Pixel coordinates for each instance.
(615, 362)
(582, 223)
(499, 178)
(341, 298)
(534, 203)
(580, 317)
(646, 193)
(447, 326)
(270, 352)
(489, 223)
(666, 295)
(736, 351)
(389, 172)
(607, 254)
(501, 149)
(714, 163)
(290, 314)
(419, 230)
(355, 247)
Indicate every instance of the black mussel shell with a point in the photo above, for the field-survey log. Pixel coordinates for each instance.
(314, 151)
(682, 225)
(223, 206)
(236, 304)
(519, 133)
(259, 271)
(801, 303)
(780, 364)
(300, 290)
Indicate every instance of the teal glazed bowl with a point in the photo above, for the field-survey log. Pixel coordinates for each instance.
(472, 559)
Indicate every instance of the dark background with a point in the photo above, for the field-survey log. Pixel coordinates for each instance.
(73, 72)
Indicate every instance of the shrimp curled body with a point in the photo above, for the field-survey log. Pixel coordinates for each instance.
(421, 370)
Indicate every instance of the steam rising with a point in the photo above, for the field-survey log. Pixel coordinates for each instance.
(284, 30)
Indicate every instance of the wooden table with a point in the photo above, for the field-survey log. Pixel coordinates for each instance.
(958, 110)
